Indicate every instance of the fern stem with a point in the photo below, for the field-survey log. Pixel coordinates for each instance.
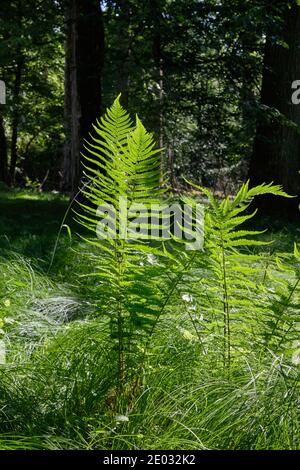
(227, 339)
(119, 260)
(121, 357)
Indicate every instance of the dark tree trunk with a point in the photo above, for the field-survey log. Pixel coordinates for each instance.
(3, 153)
(83, 66)
(276, 153)
(158, 62)
(159, 77)
(125, 15)
(15, 119)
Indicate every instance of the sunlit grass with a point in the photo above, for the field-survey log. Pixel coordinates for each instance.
(56, 388)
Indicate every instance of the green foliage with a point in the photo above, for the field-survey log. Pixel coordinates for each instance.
(193, 68)
(32, 45)
(224, 280)
(123, 163)
(56, 388)
(190, 69)
(149, 346)
(234, 292)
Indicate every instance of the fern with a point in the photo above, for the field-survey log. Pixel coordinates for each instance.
(282, 317)
(230, 284)
(138, 281)
(123, 162)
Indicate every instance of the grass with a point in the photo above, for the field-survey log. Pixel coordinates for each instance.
(29, 223)
(56, 387)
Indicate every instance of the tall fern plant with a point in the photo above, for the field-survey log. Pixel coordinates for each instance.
(122, 162)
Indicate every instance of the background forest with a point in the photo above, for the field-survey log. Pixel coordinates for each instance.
(212, 79)
(121, 343)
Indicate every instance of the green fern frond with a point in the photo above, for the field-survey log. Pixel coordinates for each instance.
(230, 288)
(123, 161)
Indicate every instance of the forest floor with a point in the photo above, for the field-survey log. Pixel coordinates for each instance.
(30, 221)
(51, 401)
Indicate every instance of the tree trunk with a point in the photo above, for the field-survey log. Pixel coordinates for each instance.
(159, 76)
(276, 152)
(15, 119)
(84, 48)
(125, 15)
(3, 153)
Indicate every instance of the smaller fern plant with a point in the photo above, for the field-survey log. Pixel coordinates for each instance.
(282, 318)
(228, 282)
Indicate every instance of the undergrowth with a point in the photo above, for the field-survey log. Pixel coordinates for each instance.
(142, 344)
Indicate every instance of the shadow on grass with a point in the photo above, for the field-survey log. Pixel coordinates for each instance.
(30, 222)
